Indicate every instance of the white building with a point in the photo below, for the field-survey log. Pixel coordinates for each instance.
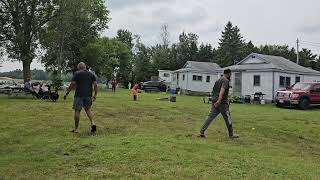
(193, 78)
(267, 74)
(166, 75)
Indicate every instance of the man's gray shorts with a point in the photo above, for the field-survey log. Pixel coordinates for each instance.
(81, 102)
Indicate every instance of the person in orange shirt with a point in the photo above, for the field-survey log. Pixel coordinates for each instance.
(135, 92)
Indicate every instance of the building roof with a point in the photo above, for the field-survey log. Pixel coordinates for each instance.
(201, 67)
(272, 63)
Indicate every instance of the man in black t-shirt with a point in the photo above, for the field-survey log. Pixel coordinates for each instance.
(83, 81)
(220, 104)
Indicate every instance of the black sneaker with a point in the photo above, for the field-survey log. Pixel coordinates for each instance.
(202, 136)
(234, 136)
(93, 128)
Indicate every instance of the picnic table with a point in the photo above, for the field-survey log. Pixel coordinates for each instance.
(13, 90)
(5, 91)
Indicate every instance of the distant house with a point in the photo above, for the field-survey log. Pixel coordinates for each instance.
(166, 75)
(267, 74)
(193, 78)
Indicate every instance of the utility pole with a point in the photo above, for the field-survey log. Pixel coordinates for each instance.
(297, 51)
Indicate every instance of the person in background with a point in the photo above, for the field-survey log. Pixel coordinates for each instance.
(114, 85)
(28, 88)
(135, 92)
(107, 85)
(129, 85)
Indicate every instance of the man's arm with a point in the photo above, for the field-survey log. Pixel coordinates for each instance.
(224, 86)
(71, 86)
(95, 88)
(221, 93)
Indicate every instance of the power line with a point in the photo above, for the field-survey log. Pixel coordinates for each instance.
(311, 42)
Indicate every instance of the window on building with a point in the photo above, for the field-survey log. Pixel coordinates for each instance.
(288, 81)
(297, 79)
(284, 81)
(196, 78)
(256, 80)
(178, 77)
(183, 77)
(208, 79)
(166, 75)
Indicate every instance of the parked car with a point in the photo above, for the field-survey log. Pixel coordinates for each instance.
(154, 86)
(302, 95)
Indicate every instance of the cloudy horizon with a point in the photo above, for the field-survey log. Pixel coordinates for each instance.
(262, 22)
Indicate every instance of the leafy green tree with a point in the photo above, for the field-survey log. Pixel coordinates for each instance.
(160, 58)
(206, 53)
(143, 66)
(250, 48)
(279, 50)
(108, 57)
(21, 22)
(187, 49)
(76, 24)
(160, 53)
(126, 37)
(306, 57)
(231, 46)
(126, 64)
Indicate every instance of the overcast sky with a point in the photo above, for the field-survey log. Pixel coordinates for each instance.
(261, 21)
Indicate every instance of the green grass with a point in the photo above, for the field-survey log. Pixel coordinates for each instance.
(152, 139)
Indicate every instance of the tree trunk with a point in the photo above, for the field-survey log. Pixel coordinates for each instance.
(26, 69)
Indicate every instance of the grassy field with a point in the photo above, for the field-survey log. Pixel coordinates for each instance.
(152, 139)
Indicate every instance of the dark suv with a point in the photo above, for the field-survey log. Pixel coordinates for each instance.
(302, 95)
(154, 86)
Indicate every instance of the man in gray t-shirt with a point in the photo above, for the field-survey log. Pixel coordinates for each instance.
(83, 81)
(220, 104)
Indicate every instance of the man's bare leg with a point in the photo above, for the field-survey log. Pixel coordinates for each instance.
(76, 121)
(90, 116)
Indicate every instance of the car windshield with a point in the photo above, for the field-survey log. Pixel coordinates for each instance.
(301, 86)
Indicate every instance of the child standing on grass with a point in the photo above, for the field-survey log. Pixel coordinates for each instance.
(135, 92)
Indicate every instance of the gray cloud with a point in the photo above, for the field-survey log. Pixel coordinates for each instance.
(120, 4)
(311, 28)
(263, 22)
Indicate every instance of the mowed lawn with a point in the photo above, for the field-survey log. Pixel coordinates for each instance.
(152, 139)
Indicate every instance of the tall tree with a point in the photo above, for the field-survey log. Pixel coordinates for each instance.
(250, 48)
(143, 67)
(160, 53)
(231, 46)
(20, 24)
(126, 64)
(306, 57)
(109, 57)
(76, 24)
(164, 35)
(206, 53)
(187, 48)
(126, 37)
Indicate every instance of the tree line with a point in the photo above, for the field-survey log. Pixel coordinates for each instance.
(62, 33)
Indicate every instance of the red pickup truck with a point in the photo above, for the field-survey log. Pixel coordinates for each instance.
(302, 95)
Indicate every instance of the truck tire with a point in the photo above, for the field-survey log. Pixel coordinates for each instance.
(304, 103)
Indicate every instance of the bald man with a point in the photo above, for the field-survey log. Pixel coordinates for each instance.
(83, 81)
